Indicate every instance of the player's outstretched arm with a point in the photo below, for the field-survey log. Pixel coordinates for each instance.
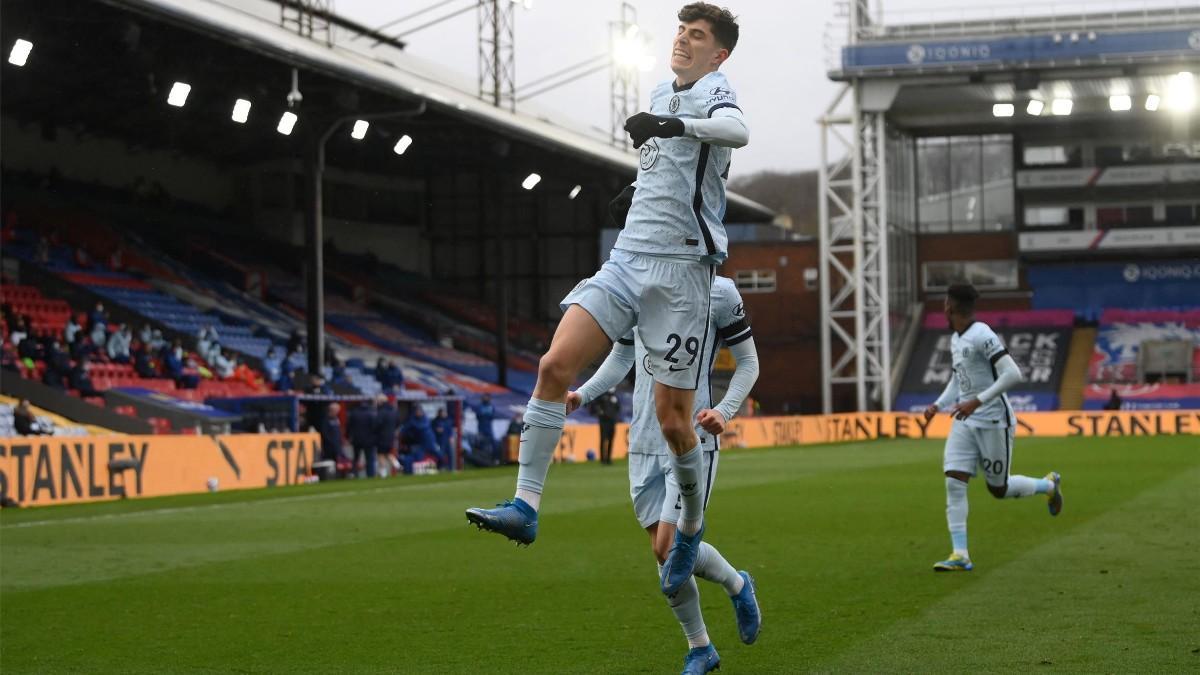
(616, 365)
(744, 377)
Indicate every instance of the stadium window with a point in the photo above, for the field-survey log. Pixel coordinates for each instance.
(965, 184)
(755, 281)
(933, 184)
(1051, 155)
(1139, 216)
(1180, 214)
(988, 275)
(1047, 216)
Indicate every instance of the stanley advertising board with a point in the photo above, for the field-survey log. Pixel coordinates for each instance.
(766, 432)
(40, 470)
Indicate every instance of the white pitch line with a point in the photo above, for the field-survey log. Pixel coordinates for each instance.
(206, 507)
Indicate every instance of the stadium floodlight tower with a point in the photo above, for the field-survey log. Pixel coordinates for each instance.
(310, 18)
(497, 46)
(854, 261)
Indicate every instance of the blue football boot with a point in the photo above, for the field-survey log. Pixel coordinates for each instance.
(701, 660)
(955, 563)
(514, 519)
(681, 561)
(745, 609)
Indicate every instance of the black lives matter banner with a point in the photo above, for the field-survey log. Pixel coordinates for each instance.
(37, 470)
(1040, 352)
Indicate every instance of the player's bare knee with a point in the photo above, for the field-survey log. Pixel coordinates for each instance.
(678, 433)
(998, 491)
(959, 475)
(554, 374)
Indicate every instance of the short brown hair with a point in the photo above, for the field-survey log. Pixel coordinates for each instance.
(723, 22)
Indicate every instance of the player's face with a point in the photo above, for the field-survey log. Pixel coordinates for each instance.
(695, 51)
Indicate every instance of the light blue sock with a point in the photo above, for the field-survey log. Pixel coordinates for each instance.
(540, 436)
(1023, 486)
(956, 514)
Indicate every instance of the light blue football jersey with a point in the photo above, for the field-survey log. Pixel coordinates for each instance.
(727, 320)
(679, 206)
(974, 354)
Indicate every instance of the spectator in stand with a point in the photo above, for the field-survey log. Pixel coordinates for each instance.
(418, 436)
(245, 374)
(71, 329)
(208, 344)
(82, 260)
(222, 363)
(99, 332)
(285, 383)
(443, 430)
(338, 374)
(96, 316)
(157, 341)
(330, 357)
(172, 361)
(273, 364)
(381, 372)
(331, 432)
(25, 422)
(119, 343)
(83, 347)
(146, 335)
(395, 376)
(1114, 401)
(81, 381)
(295, 342)
(360, 428)
(18, 331)
(387, 419)
(485, 414)
(141, 362)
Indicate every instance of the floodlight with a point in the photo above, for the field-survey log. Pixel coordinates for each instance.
(402, 144)
(1061, 106)
(631, 51)
(241, 111)
(1035, 107)
(1181, 92)
(286, 122)
(179, 94)
(20, 52)
(575, 192)
(1152, 102)
(1120, 102)
(530, 181)
(1002, 110)
(359, 131)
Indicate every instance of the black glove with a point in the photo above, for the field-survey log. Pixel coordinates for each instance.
(618, 208)
(644, 125)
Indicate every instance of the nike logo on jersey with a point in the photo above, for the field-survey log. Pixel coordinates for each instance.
(673, 369)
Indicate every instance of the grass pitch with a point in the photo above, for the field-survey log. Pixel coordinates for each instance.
(387, 576)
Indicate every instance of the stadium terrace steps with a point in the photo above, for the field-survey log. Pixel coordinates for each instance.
(1070, 394)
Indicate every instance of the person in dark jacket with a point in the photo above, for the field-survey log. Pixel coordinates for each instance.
(360, 427)
(25, 422)
(81, 381)
(443, 429)
(387, 420)
(331, 432)
(485, 413)
(418, 435)
(607, 409)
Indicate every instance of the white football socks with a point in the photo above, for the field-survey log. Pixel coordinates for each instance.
(956, 514)
(1024, 486)
(543, 429)
(689, 474)
(712, 566)
(686, 606)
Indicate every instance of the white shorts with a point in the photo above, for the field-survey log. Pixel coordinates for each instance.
(654, 490)
(987, 447)
(667, 299)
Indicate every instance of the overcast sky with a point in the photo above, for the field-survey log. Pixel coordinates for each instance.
(778, 68)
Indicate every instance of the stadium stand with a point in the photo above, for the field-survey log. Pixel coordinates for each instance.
(1149, 358)
(1038, 341)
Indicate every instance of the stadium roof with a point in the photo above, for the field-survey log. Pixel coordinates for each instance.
(947, 77)
(249, 24)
